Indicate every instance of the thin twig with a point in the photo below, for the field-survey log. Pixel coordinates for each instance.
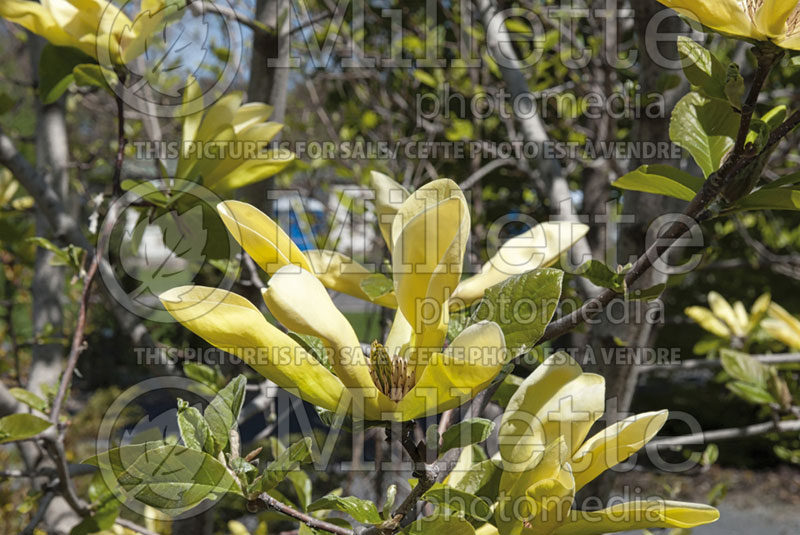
(783, 426)
(77, 342)
(44, 503)
(265, 501)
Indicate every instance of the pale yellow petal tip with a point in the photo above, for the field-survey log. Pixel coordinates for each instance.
(175, 294)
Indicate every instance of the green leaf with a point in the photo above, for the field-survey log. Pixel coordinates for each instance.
(522, 305)
(743, 367)
(7, 102)
(21, 426)
(105, 508)
(702, 68)
(647, 294)
(457, 500)
(377, 285)
(194, 429)
(117, 460)
(705, 127)
(391, 496)
(458, 322)
(29, 398)
(768, 198)
(506, 389)
(223, 411)
(288, 460)
(176, 478)
(661, 179)
(440, 523)
(55, 70)
(602, 275)
(466, 432)
(93, 75)
(751, 393)
(363, 511)
(302, 487)
(211, 377)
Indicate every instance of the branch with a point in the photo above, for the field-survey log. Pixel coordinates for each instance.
(783, 426)
(693, 364)
(77, 341)
(197, 8)
(265, 501)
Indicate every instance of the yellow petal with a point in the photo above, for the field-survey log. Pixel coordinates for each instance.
(36, 18)
(727, 16)
(430, 234)
(300, 302)
(250, 172)
(781, 332)
(151, 19)
(546, 488)
(742, 319)
(791, 42)
(615, 444)
(724, 311)
(540, 246)
(771, 17)
(706, 319)
(389, 197)
(638, 515)
(778, 312)
(218, 117)
(400, 337)
(231, 323)
(341, 273)
(192, 113)
(557, 399)
(261, 237)
(250, 114)
(249, 147)
(466, 367)
(758, 310)
(76, 18)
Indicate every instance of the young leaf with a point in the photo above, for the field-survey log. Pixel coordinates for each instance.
(745, 368)
(21, 426)
(93, 75)
(223, 411)
(440, 523)
(377, 285)
(750, 392)
(211, 377)
(705, 127)
(504, 392)
(105, 508)
(602, 275)
(465, 433)
(29, 398)
(194, 429)
(702, 68)
(457, 500)
(55, 70)
(177, 478)
(363, 511)
(661, 179)
(288, 460)
(522, 305)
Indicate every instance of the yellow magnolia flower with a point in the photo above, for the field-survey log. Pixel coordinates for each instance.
(227, 147)
(726, 321)
(782, 326)
(546, 458)
(409, 376)
(538, 247)
(777, 21)
(96, 27)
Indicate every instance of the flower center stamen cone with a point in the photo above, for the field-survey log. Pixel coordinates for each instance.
(390, 374)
